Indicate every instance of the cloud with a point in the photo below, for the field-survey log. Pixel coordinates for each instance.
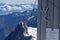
(16, 8)
(8, 7)
(3, 9)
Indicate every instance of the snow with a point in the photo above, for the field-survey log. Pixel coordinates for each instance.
(30, 17)
(52, 35)
(30, 7)
(33, 31)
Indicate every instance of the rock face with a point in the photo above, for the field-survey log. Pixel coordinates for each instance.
(18, 34)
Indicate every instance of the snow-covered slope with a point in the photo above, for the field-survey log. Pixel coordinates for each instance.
(33, 31)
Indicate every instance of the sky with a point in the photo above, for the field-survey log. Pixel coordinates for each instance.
(17, 1)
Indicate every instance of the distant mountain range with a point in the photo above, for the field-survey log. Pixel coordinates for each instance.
(9, 17)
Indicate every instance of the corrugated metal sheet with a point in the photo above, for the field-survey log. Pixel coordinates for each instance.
(53, 16)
